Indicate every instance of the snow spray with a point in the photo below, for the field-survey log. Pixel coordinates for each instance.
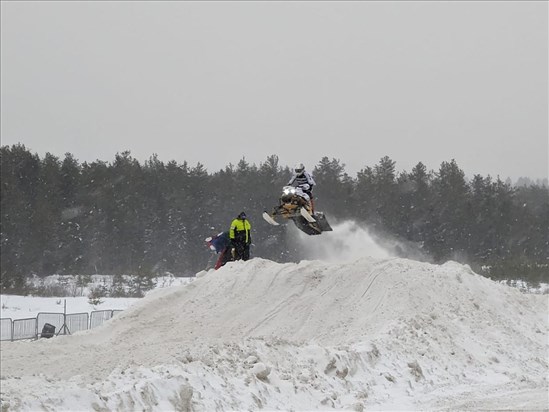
(348, 242)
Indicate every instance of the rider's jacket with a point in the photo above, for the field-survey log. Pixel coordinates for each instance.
(301, 179)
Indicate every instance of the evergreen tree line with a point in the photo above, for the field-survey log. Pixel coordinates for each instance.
(124, 217)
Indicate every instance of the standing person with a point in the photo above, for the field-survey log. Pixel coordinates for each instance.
(240, 237)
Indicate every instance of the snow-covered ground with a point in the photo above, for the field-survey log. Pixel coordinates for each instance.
(365, 331)
(21, 307)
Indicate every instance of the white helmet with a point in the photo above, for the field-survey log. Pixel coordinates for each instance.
(299, 168)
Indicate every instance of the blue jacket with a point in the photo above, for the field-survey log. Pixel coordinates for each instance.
(220, 242)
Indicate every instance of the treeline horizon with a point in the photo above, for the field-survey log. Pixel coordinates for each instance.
(59, 216)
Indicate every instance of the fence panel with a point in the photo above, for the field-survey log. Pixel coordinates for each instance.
(55, 319)
(24, 328)
(77, 321)
(31, 328)
(6, 330)
(98, 317)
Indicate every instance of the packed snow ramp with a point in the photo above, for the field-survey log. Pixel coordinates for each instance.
(368, 335)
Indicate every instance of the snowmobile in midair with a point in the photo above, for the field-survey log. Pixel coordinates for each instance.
(296, 205)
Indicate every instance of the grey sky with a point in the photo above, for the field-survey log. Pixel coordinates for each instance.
(213, 82)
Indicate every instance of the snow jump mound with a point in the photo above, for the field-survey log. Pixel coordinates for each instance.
(370, 334)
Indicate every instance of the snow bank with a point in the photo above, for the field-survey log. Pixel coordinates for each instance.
(375, 333)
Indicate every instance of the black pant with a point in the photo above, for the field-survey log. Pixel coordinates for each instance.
(242, 251)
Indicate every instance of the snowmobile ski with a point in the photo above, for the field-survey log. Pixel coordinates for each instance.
(307, 215)
(269, 219)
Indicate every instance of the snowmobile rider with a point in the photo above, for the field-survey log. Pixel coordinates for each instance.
(240, 237)
(303, 180)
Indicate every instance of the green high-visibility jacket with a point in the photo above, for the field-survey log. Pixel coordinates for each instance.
(240, 231)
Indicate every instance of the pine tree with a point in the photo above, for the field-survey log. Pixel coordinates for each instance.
(415, 203)
(334, 187)
(20, 171)
(72, 250)
(384, 195)
(364, 196)
(47, 216)
(450, 225)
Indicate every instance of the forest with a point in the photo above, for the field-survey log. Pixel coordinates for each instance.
(60, 216)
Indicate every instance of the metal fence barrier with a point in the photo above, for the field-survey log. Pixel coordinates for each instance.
(77, 321)
(6, 329)
(31, 328)
(24, 329)
(98, 317)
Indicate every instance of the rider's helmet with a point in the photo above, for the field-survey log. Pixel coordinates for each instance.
(299, 168)
(241, 215)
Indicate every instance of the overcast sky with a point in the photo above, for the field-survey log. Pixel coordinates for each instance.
(214, 82)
